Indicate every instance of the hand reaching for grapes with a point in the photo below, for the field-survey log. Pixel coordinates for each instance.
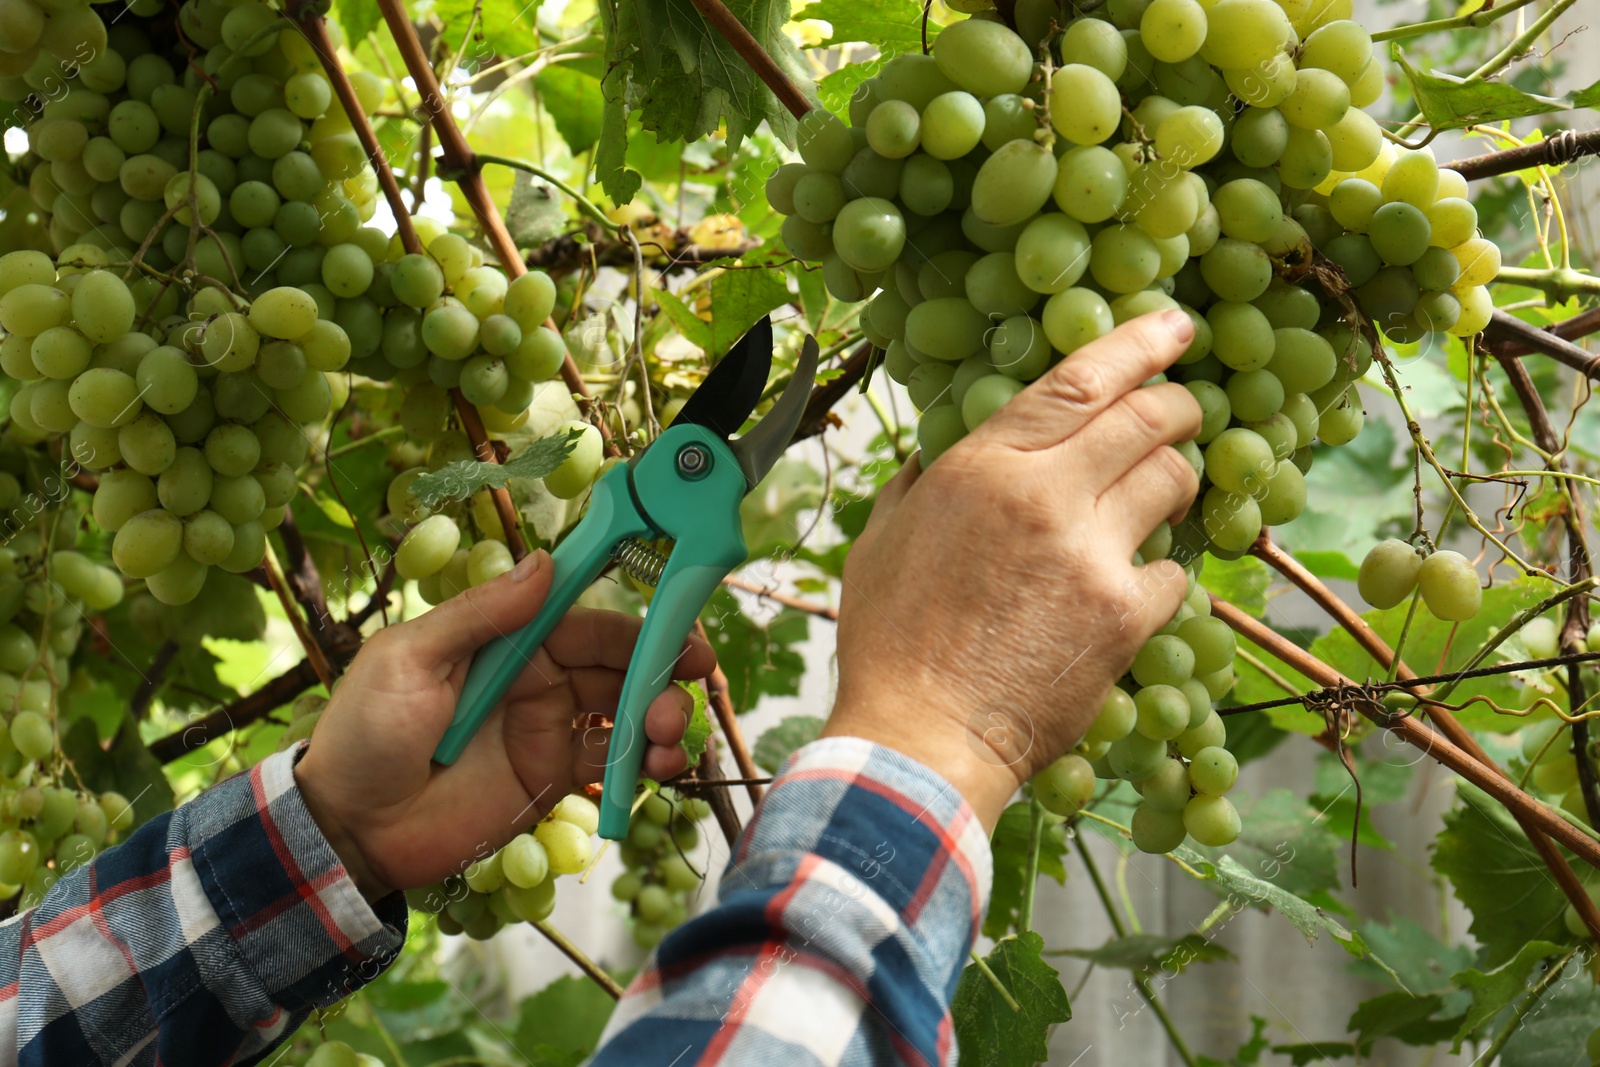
(991, 602)
(398, 820)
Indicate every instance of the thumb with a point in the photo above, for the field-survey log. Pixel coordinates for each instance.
(1159, 589)
(465, 623)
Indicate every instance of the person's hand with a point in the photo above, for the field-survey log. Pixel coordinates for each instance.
(399, 821)
(991, 601)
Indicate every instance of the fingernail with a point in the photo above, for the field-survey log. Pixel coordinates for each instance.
(529, 566)
(1180, 324)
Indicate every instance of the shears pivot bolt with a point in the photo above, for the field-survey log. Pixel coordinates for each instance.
(694, 462)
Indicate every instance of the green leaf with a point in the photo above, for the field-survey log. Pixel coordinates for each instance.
(1283, 838)
(1329, 564)
(357, 18)
(1153, 952)
(695, 330)
(698, 731)
(1228, 879)
(1401, 1016)
(988, 1032)
(125, 766)
(459, 480)
(1357, 492)
(1497, 874)
(775, 745)
(739, 299)
(1493, 990)
(1587, 98)
(1249, 1052)
(611, 169)
(892, 26)
(560, 1025)
(1553, 1034)
(506, 27)
(1009, 846)
(1241, 582)
(1423, 962)
(574, 102)
(1450, 103)
(776, 512)
(535, 213)
(759, 659)
(226, 607)
(1383, 781)
(835, 90)
(1316, 1051)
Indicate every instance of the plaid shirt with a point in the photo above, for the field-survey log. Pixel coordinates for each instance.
(210, 934)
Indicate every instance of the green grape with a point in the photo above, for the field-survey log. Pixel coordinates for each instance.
(524, 861)
(1237, 271)
(1213, 771)
(818, 197)
(894, 129)
(1301, 360)
(147, 444)
(1245, 33)
(1319, 100)
(1437, 312)
(1165, 660)
(1085, 106)
(487, 560)
(1007, 118)
(1480, 262)
(780, 187)
(1190, 136)
(166, 380)
(946, 328)
(62, 352)
(1436, 270)
(1307, 159)
(1215, 411)
(578, 471)
(232, 450)
(1115, 720)
(1123, 259)
(1066, 786)
(19, 853)
(1239, 460)
(1211, 641)
(567, 847)
(994, 288)
(1452, 221)
(1259, 136)
(1210, 733)
(31, 309)
(1449, 586)
(984, 58)
(1353, 202)
(283, 312)
(147, 543)
(926, 185)
(1163, 711)
(104, 398)
(1354, 141)
(1172, 30)
(869, 234)
(207, 537)
(1341, 422)
(417, 280)
(1019, 349)
(1074, 317)
(578, 810)
(484, 380)
(450, 331)
(1254, 395)
(427, 547)
(986, 396)
(1400, 233)
(538, 356)
(1231, 520)
(102, 307)
(25, 267)
(1413, 178)
(121, 495)
(1285, 497)
(1241, 336)
(1137, 756)
(1247, 210)
(1541, 636)
(1343, 47)
(1211, 821)
(1289, 306)
(1014, 183)
(1091, 183)
(627, 886)
(1156, 831)
(1167, 790)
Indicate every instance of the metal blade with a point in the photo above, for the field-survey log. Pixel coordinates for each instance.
(733, 388)
(759, 449)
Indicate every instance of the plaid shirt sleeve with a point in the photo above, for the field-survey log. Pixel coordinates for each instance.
(205, 938)
(843, 922)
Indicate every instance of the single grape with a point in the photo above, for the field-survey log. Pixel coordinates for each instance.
(567, 847)
(1156, 831)
(1449, 585)
(1212, 821)
(1066, 786)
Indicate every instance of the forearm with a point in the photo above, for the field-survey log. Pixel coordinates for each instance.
(842, 925)
(205, 938)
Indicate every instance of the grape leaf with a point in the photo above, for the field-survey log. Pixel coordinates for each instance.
(1401, 1016)
(1009, 845)
(698, 731)
(1450, 103)
(988, 1032)
(1249, 1052)
(1423, 962)
(458, 480)
(739, 300)
(892, 26)
(574, 101)
(611, 169)
(1241, 582)
(357, 18)
(1283, 838)
(125, 766)
(1497, 874)
(1493, 990)
(758, 658)
(535, 213)
(1153, 952)
(1228, 878)
(695, 330)
(1329, 565)
(775, 745)
(560, 1025)
(503, 27)
(1316, 1051)
(1352, 493)
(1554, 1034)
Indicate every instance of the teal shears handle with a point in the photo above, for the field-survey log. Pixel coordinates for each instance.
(577, 561)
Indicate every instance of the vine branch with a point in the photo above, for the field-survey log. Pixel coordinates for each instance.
(1553, 151)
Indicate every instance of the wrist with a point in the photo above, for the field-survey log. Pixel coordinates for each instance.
(336, 833)
(978, 759)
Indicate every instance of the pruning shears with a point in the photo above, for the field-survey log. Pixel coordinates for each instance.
(685, 487)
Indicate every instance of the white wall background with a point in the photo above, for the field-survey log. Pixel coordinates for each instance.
(1302, 990)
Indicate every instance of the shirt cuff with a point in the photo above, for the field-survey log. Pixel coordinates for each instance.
(890, 821)
(291, 909)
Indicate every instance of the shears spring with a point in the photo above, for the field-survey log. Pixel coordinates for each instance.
(640, 561)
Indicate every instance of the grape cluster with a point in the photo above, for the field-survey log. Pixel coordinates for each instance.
(517, 883)
(659, 878)
(1157, 730)
(1393, 569)
(339, 1054)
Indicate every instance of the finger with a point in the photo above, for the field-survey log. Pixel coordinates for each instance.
(1158, 489)
(894, 491)
(1088, 381)
(590, 748)
(597, 689)
(1120, 437)
(589, 637)
(465, 623)
(668, 717)
(1158, 590)
(663, 763)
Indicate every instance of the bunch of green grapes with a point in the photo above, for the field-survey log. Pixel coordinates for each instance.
(659, 879)
(517, 883)
(1392, 570)
(339, 1054)
(1159, 731)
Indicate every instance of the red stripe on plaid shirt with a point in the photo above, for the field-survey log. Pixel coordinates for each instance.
(99, 898)
(919, 814)
(305, 889)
